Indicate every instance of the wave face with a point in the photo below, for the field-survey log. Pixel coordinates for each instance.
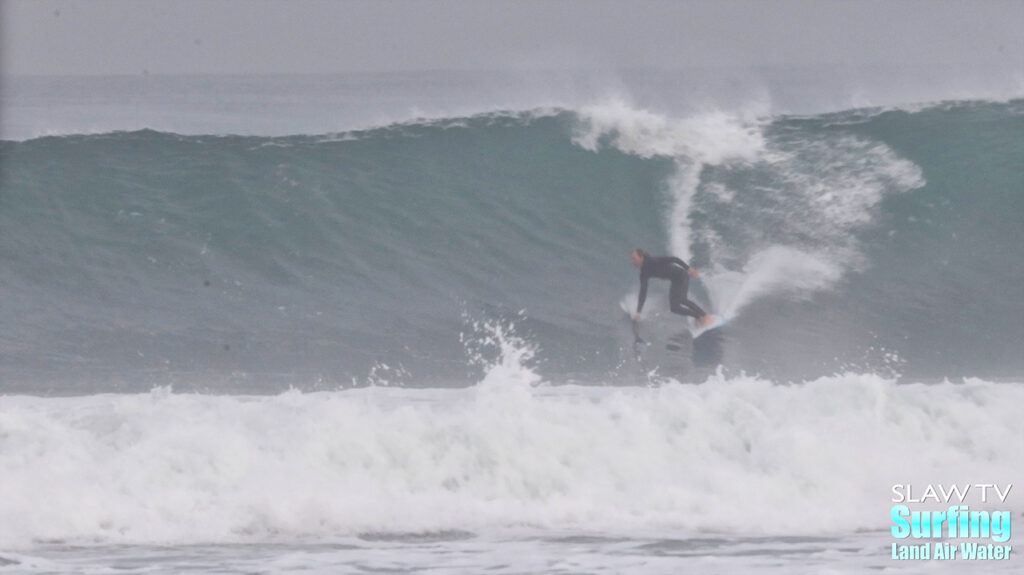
(879, 241)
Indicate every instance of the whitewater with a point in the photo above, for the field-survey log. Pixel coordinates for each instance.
(339, 324)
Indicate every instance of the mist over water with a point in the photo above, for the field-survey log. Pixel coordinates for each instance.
(287, 105)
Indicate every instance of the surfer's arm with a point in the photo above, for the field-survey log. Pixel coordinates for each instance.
(643, 294)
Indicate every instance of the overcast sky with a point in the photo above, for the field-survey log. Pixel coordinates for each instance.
(319, 36)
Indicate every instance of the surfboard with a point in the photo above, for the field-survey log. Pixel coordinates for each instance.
(717, 323)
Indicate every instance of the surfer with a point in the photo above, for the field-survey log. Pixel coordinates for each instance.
(678, 272)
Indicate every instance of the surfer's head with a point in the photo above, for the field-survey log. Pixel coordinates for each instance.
(638, 256)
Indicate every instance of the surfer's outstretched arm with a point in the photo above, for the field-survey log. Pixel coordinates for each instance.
(643, 295)
(638, 257)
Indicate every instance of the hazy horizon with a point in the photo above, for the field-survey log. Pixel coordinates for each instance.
(315, 37)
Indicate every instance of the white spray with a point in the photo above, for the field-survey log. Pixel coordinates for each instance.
(829, 189)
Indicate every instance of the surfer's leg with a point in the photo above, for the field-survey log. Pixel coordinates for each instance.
(677, 301)
(679, 304)
(695, 309)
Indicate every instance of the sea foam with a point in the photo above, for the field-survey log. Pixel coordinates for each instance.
(739, 454)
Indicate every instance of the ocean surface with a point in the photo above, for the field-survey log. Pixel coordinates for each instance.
(381, 323)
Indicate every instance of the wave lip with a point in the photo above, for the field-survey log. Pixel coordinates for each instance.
(275, 106)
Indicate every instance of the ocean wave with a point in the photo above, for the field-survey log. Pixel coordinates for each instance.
(324, 257)
(741, 455)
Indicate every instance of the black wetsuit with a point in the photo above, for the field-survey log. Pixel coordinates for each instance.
(673, 269)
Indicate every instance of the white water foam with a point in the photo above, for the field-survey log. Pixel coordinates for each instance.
(504, 356)
(736, 455)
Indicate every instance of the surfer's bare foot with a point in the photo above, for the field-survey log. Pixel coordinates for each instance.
(705, 320)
